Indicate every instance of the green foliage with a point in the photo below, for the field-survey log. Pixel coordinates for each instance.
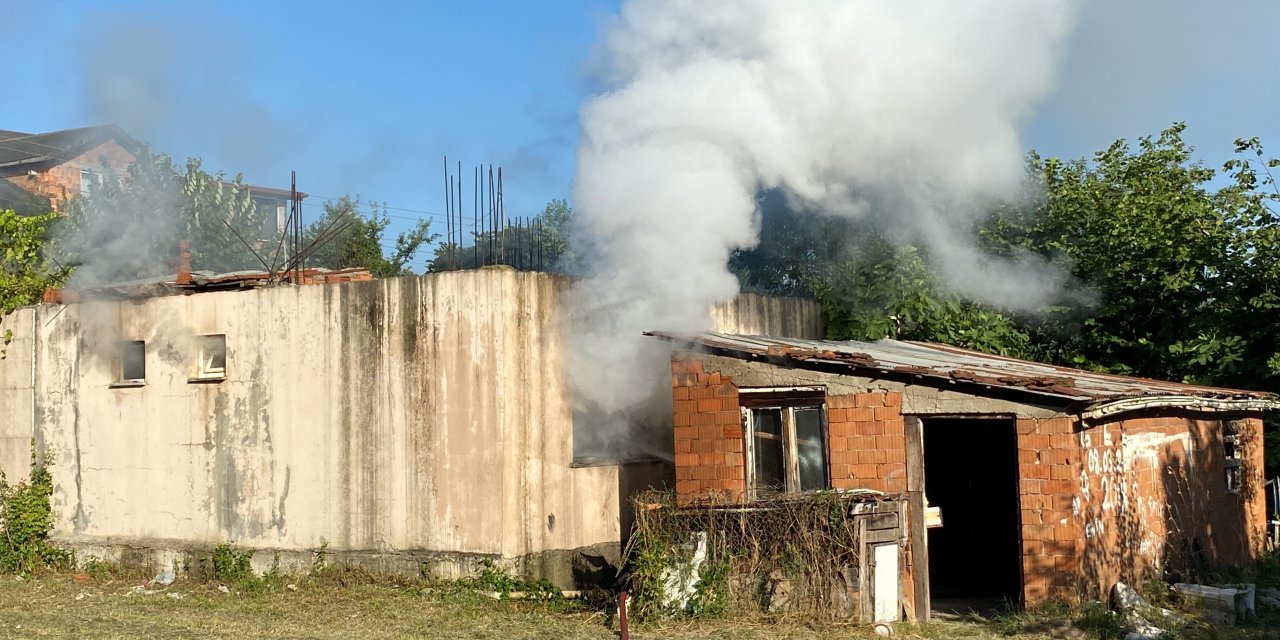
(1175, 272)
(495, 579)
(26, 518)
(1100, 622)
(352, 238)
(320, 558)
(25, 273)
(129, 226)
(710, 597)
(231, 565)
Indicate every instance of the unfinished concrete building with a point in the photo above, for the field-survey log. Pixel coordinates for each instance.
(399, 421)
(1049, 482)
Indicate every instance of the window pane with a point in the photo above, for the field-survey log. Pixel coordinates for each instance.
(810, 448)
(132, 361)
(213, 354)
(770, 472)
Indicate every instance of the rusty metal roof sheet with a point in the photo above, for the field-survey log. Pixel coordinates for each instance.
(927, 361)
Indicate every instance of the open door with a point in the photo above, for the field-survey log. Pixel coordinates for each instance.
(971, 476)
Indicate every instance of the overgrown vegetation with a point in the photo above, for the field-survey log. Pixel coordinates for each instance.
(781, 557)
(26, 519)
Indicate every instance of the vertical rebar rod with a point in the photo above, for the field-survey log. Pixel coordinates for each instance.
(475, 219)
(448, 209)
(457, 227)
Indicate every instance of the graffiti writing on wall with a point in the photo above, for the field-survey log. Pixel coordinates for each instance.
(1120, 493)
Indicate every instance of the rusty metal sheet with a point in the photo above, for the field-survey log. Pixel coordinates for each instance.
(945, 363)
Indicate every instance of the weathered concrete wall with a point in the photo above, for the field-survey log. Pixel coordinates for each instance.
(409, 415)
(751, 314)
(17, 404)
(395, 421)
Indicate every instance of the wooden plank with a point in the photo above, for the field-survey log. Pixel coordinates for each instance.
(883, 536)
(883, 521)
(864, 575)
(915, 516)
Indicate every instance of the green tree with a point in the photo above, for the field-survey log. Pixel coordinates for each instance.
(1180, 270)
(129, 226)
(346, 237)
(25, 272)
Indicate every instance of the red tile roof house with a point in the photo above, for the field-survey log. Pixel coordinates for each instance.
(40, 172)
(1050, 482)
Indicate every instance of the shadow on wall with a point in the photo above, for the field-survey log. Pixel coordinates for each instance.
(1207, 510)
(1153, 499)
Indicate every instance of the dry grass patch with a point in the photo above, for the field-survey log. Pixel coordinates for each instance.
(110, 606)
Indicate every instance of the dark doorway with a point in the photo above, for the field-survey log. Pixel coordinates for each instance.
(971, 474)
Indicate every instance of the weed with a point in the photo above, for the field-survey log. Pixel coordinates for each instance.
(26, 518)
(1100, 622)
(321, 555)
(96, 568)
(1010, 619)
(231, 565)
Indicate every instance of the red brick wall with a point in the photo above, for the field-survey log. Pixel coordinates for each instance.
(1124, 499)
(61, 182)
(1047, 478)
(708, 434)
(866, 442)
(1152, 496)
(866, 445)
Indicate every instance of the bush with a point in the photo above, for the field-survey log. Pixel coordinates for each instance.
(26, 518)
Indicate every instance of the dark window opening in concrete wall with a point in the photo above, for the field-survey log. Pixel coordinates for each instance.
(785, 440)
(212, 358)
(971, 475)
(131, 362)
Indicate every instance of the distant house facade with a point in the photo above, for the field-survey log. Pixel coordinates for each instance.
(1024, 482)
(40, 172)
(49, 169)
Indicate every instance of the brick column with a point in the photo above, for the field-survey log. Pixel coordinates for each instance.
(708, 434)
(1048, 472)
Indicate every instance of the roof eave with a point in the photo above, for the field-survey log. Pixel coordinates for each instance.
(1112, 408)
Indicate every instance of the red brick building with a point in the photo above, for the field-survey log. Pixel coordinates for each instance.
(49, 169)
(1050, 482)
(40, 172)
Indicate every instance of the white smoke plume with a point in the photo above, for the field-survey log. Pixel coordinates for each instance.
(906, 111)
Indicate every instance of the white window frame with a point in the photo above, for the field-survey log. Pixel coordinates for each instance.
(205, 369)
(95, 178)
(791, 456)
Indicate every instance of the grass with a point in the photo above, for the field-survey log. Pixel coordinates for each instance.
(339, 604)
(108, 605)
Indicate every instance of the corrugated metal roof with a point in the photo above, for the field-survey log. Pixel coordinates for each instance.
(944, 363)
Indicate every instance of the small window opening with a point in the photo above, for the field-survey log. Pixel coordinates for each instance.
(1231, 457)
(132, 362)
(786, 441)
(89, 180)
(213, 357)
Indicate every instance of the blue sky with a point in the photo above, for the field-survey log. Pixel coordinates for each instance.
(365, 98)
